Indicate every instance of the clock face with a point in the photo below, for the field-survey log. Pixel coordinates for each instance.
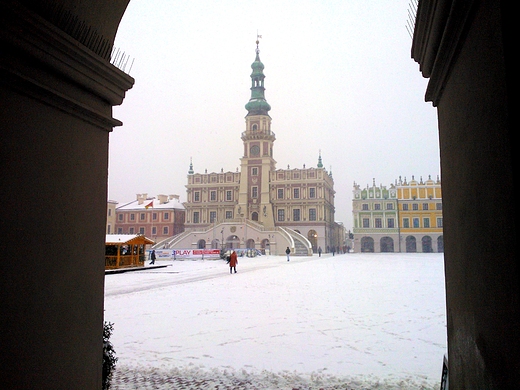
(255, 150)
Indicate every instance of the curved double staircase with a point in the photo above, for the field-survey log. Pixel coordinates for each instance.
(285, 237)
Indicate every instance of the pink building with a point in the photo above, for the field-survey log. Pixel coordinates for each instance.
(155, 217)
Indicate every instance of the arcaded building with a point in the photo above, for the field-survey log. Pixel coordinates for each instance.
(406, 217)
(260, 206)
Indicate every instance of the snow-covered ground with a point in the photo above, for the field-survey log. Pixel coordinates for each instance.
(357, 321)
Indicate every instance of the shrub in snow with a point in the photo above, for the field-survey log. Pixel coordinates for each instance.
(109, 355)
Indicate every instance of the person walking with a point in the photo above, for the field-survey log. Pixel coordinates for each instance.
(287, 251)
(319, 251)
(152, 256)
(233, 261)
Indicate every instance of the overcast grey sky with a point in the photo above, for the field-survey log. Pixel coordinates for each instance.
(339, 78)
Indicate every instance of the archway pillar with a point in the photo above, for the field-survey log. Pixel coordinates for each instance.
(467, 49)
(56, 99)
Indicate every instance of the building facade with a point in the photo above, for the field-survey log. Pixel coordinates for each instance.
(111, 216)
(407, 217)
(270, 208)
(154, 217)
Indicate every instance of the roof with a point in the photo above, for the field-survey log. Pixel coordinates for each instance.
(152, 204)
(127, 239)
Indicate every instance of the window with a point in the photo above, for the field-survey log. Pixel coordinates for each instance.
(196, 196)
(254, 171)
(364, 206)
(229, 195)
(438, 206)
(377, 206)
(109, 231)
(165, 230)
(119, 230)
(406, 223)
(391, 223)
(415, 222)
(142, 216)
(426, 222)
(389, 206)
(425, 206)
(166, 216)
(213, 196)
(366, 223)
(439, 222)
(154, 231)
(254, 192)
(141, 230)
(296, 193)
(120, 217)
(405, 207)
(415, 206)
(109, 212)
(131, 230)
(229, 214)
(312, 214)
(312, 193)
(281, 215)
(378, 223)
(212, 216)
(296, 214)
(154, 216)
(132, 217)
(196, 217)
(280, 193)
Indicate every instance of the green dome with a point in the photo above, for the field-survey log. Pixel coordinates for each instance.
(257, 107)
(257, 66)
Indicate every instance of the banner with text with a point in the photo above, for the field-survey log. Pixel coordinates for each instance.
(186, 253)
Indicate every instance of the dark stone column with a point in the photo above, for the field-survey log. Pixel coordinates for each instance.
(56, 99)
(461, 46)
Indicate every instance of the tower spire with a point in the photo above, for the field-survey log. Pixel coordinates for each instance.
(257, 105)
(320, 164)
(190, 171)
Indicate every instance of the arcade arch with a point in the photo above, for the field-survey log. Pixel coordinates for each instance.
(386, 244)
(367, 244)
(312, 236)
(426, 242)
(411, 244)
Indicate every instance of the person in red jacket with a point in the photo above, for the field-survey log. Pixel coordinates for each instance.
(233, 261)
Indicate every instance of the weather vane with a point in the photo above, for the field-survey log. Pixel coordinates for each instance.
(257, 41)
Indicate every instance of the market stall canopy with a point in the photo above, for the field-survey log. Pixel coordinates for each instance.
(130, 239)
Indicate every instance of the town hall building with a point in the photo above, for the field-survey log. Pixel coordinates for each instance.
(259, 207)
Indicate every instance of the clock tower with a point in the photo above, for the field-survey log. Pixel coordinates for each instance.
(257, 162)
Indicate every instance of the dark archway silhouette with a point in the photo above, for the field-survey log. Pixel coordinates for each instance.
(57, 91)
